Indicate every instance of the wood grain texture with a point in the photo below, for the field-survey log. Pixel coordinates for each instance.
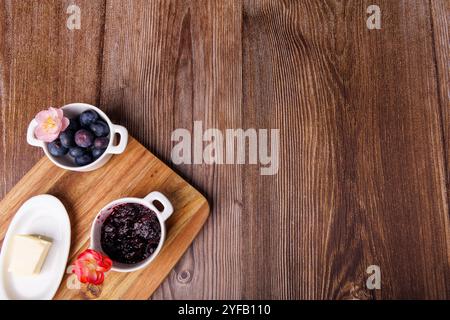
(364, 128)
(84, 197)
(167, 64)
(42, 63)
(440, 20)
(392, 171)
(287, 86)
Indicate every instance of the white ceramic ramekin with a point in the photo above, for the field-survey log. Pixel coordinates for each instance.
(146, 202)
(71, 111)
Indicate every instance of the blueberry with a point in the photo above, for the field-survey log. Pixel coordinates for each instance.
(67, 138)
(76, 152)
(74, 125)
(101, 143)
(84, 159)
(56, 148)
(88, 117)
(96, 153)
(84, 138)
(100, 128)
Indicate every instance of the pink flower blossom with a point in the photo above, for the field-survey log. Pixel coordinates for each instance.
(51, 123)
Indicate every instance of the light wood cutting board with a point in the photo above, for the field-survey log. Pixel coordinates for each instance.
(135, 173)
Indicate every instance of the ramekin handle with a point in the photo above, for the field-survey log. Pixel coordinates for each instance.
(168, 208)
(123, 132)
(31, 139)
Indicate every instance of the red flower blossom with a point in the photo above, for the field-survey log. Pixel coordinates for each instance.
(90, 267)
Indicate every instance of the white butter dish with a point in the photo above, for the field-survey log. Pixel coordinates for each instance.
(47, 217)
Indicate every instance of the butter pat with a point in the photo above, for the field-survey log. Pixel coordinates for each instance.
(28, 254)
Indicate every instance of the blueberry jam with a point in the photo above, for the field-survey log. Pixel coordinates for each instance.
(131, 233)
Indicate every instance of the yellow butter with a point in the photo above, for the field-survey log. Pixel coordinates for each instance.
(28, 254)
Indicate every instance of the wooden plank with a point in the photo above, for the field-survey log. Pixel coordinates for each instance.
(440, 16)
(84, 194)
(400, 152)
(167, 64)
(287, 85)
(361, 178)
(42, 64)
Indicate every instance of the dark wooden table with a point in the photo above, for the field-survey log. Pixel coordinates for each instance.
(364, 121)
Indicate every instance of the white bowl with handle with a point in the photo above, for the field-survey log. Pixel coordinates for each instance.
(71, 111)
(162, 215)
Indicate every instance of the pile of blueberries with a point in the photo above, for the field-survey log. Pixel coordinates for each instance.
(85, 139)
